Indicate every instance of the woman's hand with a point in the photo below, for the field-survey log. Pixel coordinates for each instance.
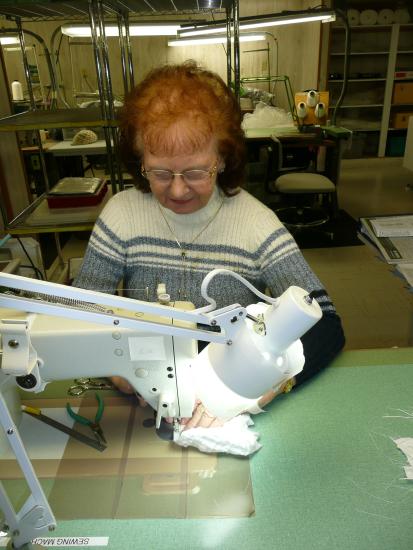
(201, 418)
(271, 394)
(123, 385)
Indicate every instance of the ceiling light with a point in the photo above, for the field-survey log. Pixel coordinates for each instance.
(273, 20)
(214, 40)
(143, 29)
(6, 40)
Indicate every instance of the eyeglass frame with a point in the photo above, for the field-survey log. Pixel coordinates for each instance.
(208, 173)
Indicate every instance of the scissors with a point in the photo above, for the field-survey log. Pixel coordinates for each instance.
(81, 385)
(92, 424)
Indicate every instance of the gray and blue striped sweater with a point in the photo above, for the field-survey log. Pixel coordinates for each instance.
(132, 243)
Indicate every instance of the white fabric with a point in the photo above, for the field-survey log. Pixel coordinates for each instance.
(368, 17)
(353, 17)
(234, 437)
(405, 444)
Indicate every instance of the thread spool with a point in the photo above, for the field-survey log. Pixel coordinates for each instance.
(401, 15)
(353, 17)
(16, 91)
(368, 17)
(312, 98)
(301, 110)
(385, 17)
(320, 110)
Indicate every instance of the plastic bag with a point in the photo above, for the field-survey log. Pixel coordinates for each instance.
(265, 116)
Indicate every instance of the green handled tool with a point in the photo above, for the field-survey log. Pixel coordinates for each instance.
(37, 413)
(92, 424)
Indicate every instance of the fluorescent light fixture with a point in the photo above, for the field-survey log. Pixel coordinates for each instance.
(274, 20)
(144, 29)
(214, 40)
(6, 40)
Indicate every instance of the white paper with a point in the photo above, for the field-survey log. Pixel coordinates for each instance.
(393, 226)
(407, 271)
(147, 348)
(70, 542)
(395, 250)
(405, 444)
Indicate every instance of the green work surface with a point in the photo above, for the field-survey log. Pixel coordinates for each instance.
(329, 476)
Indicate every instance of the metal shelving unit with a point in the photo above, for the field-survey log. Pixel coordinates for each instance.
(96, 13)
(377, 49)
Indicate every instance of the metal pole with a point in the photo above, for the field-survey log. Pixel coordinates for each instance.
(112, 146)
(229, 48)
(235, 13)
(95, 24)
(129, 51)
(32, 102)
(25, 63)
(121, 29)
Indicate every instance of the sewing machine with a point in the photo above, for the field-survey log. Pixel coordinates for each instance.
(54, 332)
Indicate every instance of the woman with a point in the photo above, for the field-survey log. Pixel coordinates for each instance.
(183, 144)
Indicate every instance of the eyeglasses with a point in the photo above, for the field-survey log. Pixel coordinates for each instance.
(189, 176)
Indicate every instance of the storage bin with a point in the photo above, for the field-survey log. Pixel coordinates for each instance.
(403, 93)
(401, 120)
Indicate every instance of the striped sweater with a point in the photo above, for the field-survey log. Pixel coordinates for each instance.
(132, 242)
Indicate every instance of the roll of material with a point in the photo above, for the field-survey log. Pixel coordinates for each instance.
(368, 17)
(320, 110)
(353, 17)
(16, 91)
(385, 17)
(301, 110)
(401, 15)
(312, 98)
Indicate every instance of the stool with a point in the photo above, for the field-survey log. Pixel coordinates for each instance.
(309, 185)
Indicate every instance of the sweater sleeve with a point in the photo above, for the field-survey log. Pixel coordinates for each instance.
(282, 265)
(103, 265)
(322, 343)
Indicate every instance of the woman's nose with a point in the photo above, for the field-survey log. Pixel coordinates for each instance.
(178, 187)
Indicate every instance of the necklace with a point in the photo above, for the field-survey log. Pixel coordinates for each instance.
(184, 252)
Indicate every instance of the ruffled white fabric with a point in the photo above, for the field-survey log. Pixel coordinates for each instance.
(234, 437)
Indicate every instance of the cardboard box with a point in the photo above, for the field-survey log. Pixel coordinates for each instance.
(403, 93)
(401, 120)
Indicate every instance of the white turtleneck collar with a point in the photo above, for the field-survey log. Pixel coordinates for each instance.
(198, 218)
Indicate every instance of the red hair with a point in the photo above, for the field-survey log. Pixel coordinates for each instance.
(178, 109)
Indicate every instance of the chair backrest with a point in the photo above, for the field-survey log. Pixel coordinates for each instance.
(291, 159)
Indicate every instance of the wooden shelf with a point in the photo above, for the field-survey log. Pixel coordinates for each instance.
(332, 80)
(361, 53)
(359, 106)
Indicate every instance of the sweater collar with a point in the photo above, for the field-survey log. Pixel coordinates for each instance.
(200, 217)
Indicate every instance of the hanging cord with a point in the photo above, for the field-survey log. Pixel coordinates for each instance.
(347, 46)
(37, 271)
(212, 303)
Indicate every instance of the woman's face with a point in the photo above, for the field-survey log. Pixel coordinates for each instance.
(183, 195)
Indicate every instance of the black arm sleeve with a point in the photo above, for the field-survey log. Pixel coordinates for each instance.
(321, 345)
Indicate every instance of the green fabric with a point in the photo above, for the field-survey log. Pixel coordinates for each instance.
(328, 477)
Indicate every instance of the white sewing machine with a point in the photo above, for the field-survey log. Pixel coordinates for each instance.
(54, 332)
